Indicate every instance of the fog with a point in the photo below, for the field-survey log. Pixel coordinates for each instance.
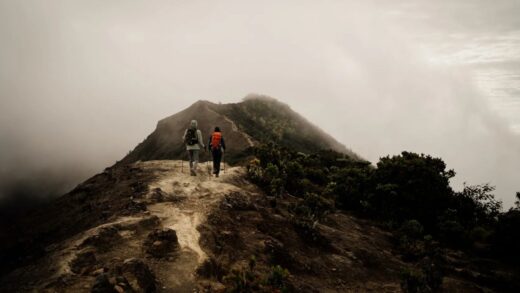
(82, 82)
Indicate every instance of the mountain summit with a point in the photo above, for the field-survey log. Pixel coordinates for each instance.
(255, 120)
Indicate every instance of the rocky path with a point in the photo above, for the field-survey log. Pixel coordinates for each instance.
(186, 202)
(151, 244)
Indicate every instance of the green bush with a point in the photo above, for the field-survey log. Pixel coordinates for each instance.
(278, 278)
(414, 281)
(427, 278)
(412, 229)
(352, 187)
(412, 186)
(451, 231)
(251, 279)
(506, 240)
(312, 207)
(405, 191)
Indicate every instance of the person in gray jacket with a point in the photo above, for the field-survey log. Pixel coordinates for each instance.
(194, 143)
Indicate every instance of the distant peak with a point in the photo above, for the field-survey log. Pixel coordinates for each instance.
(259, 97)
(202, 102)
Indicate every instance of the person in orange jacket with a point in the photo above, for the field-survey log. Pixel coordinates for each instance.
(216, 146)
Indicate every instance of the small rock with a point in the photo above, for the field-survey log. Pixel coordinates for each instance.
(119, 289)
(139, 273)
(102, 284)
(158, 195)
(98, 271)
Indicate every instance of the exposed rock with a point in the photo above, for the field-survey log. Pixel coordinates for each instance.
(158, 195)
(238, 201)
(160, 243)
(139, 274)
(104, 238)
(209, 286)
(102, 284)
(211, 268)
(112, 283)
(278, 253)
(83, 263)
(133, 207)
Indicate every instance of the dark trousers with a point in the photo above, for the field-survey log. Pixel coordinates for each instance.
(217, 157)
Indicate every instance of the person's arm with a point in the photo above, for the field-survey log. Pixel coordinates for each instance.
(222, 143)
(201, 141)
(184, 135)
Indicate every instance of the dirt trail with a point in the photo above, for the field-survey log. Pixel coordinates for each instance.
(188, 200)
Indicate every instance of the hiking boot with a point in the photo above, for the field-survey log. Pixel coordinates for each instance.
(193, 173)
(216, 174)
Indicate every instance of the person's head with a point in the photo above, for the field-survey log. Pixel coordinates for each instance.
(217, 129)
(193, 124)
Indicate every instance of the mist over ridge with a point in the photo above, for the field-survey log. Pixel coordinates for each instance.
(80, 86)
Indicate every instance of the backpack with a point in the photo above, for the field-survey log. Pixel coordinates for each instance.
(191, 137)
(215, 140)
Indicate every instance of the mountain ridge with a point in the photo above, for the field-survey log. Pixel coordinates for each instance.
(257, 119)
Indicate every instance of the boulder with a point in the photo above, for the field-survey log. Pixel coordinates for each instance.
(139, 274)
(161, 242)
(83, 263)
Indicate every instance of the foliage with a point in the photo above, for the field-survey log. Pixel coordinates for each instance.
(277, 278)
(412, 229)
(412, 186)
(312, 207)
(414, 281)
(426, 278)
(412, 244)
(352, 186)
(477, 206)
(507, 238)
(268, 120)
(410, 192)
(308, 232)
(250, 279)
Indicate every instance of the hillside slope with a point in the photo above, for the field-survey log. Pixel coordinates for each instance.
(150, 227)
(245, 124)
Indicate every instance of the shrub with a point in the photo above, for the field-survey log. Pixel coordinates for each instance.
(411, 241)
(507, 239)
(243, 280)
(412, 186)
(412, 229)
(476, 206)
(352, 186)
(307, 231)
(413, 281)
(312, 207)
(427, 278)
(451, 231)
(277, 278)
(249, 279)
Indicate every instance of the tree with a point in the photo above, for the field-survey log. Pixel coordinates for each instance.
(412, 186)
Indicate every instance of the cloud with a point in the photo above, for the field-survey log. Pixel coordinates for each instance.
(81, 83)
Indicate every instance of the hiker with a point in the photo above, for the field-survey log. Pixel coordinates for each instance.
(193, 139)
(217, 146)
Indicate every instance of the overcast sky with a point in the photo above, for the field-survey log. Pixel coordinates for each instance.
(82, 82)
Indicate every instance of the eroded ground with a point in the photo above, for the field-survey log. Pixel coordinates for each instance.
(122, 248)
